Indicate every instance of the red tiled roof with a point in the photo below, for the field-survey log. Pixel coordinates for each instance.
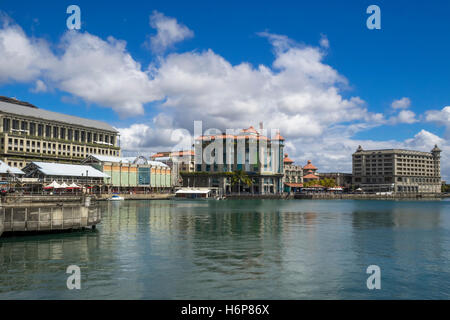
(310, 176)
(294, 185)
(158, 155)
(287, 159)
(250, 130)
(310, 166)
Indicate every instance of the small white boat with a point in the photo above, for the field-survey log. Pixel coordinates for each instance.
(116, 198)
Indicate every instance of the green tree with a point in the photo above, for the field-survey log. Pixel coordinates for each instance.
(240, 177)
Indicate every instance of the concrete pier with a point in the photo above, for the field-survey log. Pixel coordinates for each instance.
(47, 218)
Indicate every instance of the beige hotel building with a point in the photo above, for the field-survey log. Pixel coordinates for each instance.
(28, 133)
(397, 170)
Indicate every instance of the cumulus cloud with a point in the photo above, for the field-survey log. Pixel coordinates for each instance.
(403, 103)
(298, 91)
(168, 32)
(22, 58)
(88, 67)
(102, 72)
(40, 86)
(404, 116)
(441, 117)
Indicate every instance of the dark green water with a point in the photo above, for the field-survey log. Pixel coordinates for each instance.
(255, 249)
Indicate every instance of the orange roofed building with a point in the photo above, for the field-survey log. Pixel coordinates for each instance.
(293, 175)
(309, 172)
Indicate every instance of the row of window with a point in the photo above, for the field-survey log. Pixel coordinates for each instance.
(55, 132)
(19, 145)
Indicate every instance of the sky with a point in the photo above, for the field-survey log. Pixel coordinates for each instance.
(309, 68)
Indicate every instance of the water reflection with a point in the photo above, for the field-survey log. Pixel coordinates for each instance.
(239, 250)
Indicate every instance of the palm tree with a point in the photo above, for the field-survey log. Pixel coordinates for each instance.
(239, 177)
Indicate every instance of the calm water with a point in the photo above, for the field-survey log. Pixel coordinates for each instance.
(255, 249)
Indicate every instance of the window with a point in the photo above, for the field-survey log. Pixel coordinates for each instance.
(77, 135)
(32, 128)
(70, 134)
(89, 137)
(15, 124)
(63, 133)
(40, 130)
(55, 132)
(83, 136)
(24, 125)
(48, 131)
(6, 124)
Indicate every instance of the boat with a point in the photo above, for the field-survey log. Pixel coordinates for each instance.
(116, 198)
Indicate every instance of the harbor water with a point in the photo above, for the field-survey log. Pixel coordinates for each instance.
(239, 249)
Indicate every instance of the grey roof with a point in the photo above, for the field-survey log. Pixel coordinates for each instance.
(4, 168)
(53, 116)
(130, 160)
(68, 170)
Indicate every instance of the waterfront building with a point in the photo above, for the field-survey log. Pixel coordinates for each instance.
(28, 133)
(8, 174)
(136, 174)
(178, 161)
(397, 170)
(81, 175)
(293, 175)
(249, 151)
(309, 172)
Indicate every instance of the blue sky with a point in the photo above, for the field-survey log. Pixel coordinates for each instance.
(407, 58)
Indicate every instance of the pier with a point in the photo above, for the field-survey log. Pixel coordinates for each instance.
(47, 217)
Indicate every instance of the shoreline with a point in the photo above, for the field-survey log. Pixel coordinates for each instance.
(47, 200)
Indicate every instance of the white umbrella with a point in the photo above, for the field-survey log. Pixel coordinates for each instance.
(53, 185)
(63, 185)
(74, 186)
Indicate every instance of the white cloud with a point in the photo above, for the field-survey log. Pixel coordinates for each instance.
(324, 42)
(168, 32)
(102, 72)
(298, 92)
(22, 58)
(403, 103)
(404, 116)
(88, 67)
(441, 117)
(40, 86)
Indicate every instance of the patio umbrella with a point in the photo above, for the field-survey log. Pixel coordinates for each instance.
(73, 186)
(53, 185)
(63, 185)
